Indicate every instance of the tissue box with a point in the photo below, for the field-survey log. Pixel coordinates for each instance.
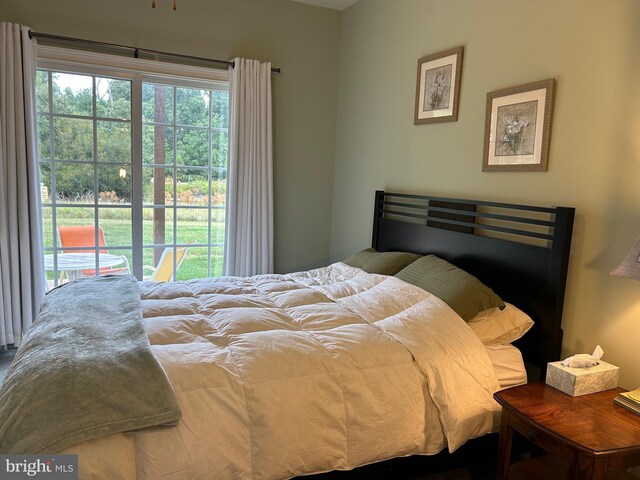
(580, 381)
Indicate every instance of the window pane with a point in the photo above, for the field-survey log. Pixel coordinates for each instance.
(219, 109)
(157, 103)
(114, 185)
(219, 144)
(194, 264)
(74, 183)
(160, 264)
(116, 226)
(158, 185)
(192, 145)
(192, 225)
(154, 149)
(44, 137)
(147, 261)
(72, 94)
(45, 182)
(42, 91)
(47, 226)
(113, 98)
(218, 193)
(217, 259)
(76, 217)
(219, 174)
(193, 187)
(157, 226)
(217, 226)
(73, 139)
(114, 142)
(192, 107)
(116, 262)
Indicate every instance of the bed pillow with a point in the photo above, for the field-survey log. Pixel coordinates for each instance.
(463, 292)
(501, 327)
(383, 263)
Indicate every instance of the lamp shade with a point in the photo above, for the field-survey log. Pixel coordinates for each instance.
(630, 265)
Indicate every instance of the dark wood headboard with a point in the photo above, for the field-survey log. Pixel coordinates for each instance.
(520, 251)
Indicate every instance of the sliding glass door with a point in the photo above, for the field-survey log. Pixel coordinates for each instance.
(184, 173)
(133, 173)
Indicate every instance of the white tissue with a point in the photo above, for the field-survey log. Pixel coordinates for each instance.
(584, 360)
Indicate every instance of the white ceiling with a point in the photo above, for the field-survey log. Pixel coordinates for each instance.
(335, 4)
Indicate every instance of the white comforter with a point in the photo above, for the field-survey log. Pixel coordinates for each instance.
(283, 375)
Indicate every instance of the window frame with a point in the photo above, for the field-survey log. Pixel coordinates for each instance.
(137, 71)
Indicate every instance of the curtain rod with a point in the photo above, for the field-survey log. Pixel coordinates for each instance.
(136, 51)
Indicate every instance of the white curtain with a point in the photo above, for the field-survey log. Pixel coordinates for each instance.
(22, 278)
(248, 247)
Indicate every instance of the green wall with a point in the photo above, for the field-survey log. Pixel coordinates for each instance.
(301, 39)
(365, 57)
(591, 47)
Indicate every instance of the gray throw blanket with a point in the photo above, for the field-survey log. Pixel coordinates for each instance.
(84, 370)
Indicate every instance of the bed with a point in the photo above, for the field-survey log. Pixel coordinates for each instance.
(284, 375)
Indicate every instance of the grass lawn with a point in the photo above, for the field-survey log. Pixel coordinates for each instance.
(117, 232)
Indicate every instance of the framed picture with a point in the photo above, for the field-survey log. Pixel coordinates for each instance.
(518, 128)
(438, 87)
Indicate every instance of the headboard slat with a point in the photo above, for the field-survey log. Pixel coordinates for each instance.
(469, 213)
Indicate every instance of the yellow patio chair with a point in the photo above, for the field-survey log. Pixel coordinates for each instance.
(163, 272)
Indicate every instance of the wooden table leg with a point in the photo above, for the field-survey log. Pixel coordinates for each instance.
(504, 447)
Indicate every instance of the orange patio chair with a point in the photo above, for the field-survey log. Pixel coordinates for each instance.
(85, 236)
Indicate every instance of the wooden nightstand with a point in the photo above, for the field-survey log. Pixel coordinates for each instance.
(589, 434)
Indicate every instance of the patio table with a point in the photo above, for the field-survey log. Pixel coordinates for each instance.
(74, 263)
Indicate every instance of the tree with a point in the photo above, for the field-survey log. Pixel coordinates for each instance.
(73, 138)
